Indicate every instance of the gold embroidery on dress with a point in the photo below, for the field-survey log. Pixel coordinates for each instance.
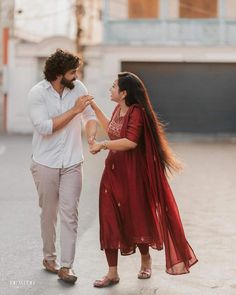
(115, 125)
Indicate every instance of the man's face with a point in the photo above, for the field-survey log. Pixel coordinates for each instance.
(68, 79)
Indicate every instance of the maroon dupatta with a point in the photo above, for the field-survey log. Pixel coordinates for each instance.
(179, 254)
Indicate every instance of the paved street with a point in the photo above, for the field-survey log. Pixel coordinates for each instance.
(205, 193)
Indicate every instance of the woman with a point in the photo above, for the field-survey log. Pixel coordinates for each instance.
(137, 207)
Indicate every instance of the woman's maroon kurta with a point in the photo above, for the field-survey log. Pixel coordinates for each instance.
(136, 202)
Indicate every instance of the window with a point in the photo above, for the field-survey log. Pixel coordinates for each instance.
(143, 8)
(198, 8)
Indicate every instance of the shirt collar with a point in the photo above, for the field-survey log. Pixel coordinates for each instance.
(47, 84)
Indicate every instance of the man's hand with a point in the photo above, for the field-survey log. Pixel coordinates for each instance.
(82, 102)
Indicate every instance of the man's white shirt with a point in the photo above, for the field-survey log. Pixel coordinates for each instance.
(62, 148)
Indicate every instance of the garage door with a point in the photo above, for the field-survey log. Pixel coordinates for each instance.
(191, 97)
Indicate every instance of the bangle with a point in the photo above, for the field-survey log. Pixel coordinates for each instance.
(104, 145)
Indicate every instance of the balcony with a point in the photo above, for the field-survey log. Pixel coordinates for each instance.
(207, 32)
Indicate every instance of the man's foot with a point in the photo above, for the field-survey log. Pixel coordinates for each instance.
(146, 267)
(67, 275)
(51, 266)
(106, 282)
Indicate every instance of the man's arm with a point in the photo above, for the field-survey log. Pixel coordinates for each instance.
(91, 130)
(39, 114)
(62, 120)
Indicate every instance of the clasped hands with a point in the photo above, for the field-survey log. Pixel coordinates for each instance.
(94, 146)
(81, 103)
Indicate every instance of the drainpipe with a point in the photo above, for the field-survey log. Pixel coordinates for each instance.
(105, 20)
(7, 25)
(5, 45)
(222, 10)
(163, 17)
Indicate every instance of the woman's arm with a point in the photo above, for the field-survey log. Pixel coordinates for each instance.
(122, 144)
(102, 118)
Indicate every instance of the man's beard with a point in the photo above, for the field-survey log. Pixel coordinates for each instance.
(67, 83)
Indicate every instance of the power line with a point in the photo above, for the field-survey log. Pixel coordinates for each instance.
(71, 7)
(193, 8)
(36, 17)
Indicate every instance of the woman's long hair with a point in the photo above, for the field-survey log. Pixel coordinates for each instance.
(137, 94)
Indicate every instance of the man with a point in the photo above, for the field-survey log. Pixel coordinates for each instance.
(57, 106)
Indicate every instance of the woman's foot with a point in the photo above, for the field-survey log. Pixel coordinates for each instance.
(106, 282)
(146, 267)
(112, 278)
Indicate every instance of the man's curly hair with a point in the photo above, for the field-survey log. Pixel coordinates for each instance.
(59, 63)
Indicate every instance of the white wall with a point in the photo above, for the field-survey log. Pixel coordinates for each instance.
(118, 9)
(24, 63)
(1, 82)
(100, 72)
(42, 18)
(22, 75)
(173, 9)
(45, 18)
(230, 8)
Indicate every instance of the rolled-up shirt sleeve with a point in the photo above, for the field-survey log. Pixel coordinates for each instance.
(38, 113)
(88, 114)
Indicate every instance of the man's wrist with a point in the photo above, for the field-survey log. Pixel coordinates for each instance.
(75, 111)
(91, 138)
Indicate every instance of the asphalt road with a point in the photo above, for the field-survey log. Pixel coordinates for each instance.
(205, 193)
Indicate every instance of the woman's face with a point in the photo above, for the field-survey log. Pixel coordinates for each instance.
(116, 94)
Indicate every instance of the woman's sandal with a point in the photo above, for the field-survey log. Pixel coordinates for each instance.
(145, 273)
(105, 282)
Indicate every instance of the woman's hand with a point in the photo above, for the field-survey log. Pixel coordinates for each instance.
(82, 102)
(93, 104)
(95, 147)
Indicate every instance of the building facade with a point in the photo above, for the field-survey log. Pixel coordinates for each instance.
(185, 52)
(28, 47)
(6, 29)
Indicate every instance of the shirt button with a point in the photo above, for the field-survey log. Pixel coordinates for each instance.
(105, 190)
(118, 204)
(142, 239)
(113, 167)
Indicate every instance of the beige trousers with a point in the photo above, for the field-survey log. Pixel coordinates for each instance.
(58, 189)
